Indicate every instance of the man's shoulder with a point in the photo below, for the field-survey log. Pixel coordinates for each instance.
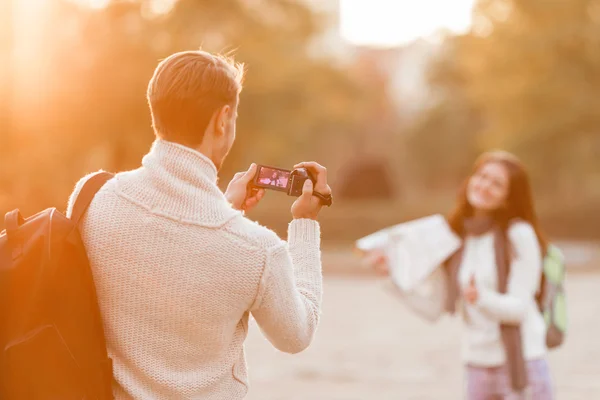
(79, 186)
(111, 183)
(253, 233)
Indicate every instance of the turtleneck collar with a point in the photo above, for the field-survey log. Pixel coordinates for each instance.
(180, 161)
(177, 182)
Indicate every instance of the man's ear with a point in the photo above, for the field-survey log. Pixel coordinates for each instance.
(222, 116)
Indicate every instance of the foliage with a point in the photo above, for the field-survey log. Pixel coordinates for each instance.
(95, 64)
(524, 79)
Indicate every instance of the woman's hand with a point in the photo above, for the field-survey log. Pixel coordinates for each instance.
(470, 293)
(378, 262)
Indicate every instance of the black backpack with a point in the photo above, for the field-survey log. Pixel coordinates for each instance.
(51, 335)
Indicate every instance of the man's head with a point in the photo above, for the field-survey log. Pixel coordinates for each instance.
(193, 97)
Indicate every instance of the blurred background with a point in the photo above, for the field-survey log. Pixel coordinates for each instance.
(395, 97)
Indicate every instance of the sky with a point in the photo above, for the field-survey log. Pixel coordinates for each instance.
(396, 22)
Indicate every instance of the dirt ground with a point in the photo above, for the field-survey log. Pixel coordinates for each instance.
(369, 346)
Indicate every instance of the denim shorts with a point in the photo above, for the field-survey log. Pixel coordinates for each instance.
(493, 383)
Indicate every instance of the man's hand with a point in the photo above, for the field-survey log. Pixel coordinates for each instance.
(237, 191)
(470, 293)
(307, 205)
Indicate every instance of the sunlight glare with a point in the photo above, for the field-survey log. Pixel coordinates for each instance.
(98, 4)
(396, 22)
(161, 6)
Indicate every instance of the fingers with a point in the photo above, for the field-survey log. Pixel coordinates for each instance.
(251, 171)
(237, 176)
(314, 166)
(245, 176)
(380, 259)
(260, 194)
(254, 199)
(378, 262)
(320, 175)
(375, 258)
(471, 296)
(307, 190)
(248, 173)
(470, 293)
(250, 203)
(382, 269)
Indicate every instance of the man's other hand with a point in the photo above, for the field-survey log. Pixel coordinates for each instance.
(307, 205)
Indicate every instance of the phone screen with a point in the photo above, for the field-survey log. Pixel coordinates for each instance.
(273, 178)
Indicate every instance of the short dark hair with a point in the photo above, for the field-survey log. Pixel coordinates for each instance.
(186, 90)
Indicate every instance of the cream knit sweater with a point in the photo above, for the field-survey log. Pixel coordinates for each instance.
(482, 343)
(178, 271)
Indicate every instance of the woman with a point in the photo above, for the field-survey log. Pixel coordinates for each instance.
(494, 281)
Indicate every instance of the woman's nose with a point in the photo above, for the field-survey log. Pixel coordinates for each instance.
(484, 185)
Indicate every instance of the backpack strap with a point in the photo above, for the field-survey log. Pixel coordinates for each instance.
(12, 221)
(87, 193)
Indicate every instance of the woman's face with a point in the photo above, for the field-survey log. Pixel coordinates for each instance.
(488, 188)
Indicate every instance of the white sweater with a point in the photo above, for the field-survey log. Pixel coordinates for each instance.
(482, 345)
(178, 271)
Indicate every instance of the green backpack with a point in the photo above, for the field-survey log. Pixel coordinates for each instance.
(552, 299)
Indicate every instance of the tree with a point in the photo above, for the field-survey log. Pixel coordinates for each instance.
(443, 139)
(534, 73)
(529, 72)
(6, 91)
(99, 62)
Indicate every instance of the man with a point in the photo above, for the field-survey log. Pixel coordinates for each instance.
(178, 267)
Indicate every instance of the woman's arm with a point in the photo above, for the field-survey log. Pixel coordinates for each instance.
(523, 281)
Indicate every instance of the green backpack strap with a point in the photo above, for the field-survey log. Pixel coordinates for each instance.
(554, 303)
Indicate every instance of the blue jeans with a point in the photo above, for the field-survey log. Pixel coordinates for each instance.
(485, 383)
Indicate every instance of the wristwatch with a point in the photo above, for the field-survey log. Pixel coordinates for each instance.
(326, 199)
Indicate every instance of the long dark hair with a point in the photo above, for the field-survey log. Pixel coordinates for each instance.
(519, 202)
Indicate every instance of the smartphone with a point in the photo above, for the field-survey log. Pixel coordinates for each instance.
(272, 178)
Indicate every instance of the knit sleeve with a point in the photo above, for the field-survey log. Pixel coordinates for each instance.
(524, 279)
(289, 304)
